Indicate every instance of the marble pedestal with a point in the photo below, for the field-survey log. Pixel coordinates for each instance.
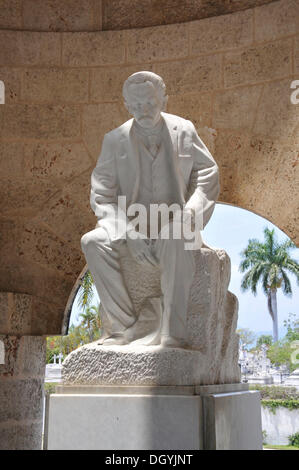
(154, 418)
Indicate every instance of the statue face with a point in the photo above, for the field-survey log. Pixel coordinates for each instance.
(145, 104)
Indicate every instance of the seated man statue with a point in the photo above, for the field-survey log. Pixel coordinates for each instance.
(155, 158)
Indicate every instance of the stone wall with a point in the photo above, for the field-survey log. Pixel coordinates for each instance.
(21, 392)
(22, 314)
(23, 368)
(279, 425)
(229, 74)
(97, 15)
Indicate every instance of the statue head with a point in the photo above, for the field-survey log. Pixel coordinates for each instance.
(145, 97)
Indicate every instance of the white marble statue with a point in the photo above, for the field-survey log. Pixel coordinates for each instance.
(154, 158)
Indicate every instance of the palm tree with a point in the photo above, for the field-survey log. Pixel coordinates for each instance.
(90, 320)
(97, 319)
(269, 262)
(85, 293)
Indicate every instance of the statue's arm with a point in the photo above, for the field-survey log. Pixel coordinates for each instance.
(204, 182)
(103, 180)
(105, 190)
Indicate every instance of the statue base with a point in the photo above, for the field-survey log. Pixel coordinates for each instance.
(132, 365)
(213, 346)
(219, 417)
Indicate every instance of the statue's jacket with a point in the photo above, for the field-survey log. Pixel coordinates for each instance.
(117, 172)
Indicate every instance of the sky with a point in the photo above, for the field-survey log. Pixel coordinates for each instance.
(230, 228)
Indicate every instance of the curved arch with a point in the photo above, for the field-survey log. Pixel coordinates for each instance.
(261, 214)
(70, 302)
(69, 15)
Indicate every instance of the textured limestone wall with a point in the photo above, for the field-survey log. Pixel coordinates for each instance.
(22, 314)
(23, 369)
(229, 74)
(95, 15)
(21, 392)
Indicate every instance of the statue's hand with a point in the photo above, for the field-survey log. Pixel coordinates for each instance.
(140, 250)
(189, 218)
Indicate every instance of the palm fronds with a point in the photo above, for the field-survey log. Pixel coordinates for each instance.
(85, 292)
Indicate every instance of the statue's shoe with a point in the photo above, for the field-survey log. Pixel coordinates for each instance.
(171, 342)
(116, 339)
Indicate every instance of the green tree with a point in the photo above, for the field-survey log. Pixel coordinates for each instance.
(52, 348)
(264, 339)
(247, 337)
(292, 325)
(88, 330)
(280, 353)
(268, 262)
(77, 337)
(91, 321)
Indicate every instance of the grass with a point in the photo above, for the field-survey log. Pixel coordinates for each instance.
(278, 447)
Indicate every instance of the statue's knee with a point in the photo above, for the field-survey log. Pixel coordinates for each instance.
(96, 239)
(87, 241)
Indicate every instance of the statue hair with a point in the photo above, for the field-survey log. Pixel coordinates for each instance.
(143, 77)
